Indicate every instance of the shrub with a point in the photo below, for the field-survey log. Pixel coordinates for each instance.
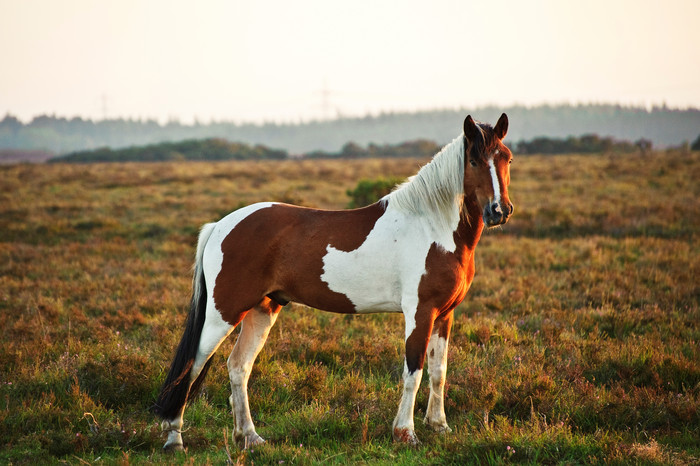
(370, 191)
(696, 144)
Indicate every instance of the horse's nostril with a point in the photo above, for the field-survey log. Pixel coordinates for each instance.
(496, 209)
(510, 209)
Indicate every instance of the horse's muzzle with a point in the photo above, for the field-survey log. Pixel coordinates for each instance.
(497, 213)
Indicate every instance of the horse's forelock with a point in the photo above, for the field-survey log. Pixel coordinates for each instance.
(485, 143)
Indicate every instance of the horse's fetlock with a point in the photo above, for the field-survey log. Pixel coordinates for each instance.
(405, 435)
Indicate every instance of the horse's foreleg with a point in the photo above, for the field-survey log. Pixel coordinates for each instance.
(437, 367)
(254, 331)
(416, 344)
(403, 428)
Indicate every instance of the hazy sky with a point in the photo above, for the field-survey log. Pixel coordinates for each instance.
(258, 59)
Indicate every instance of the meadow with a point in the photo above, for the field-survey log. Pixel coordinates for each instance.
(577, 343)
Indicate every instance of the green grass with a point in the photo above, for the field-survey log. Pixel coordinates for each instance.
(578, 342)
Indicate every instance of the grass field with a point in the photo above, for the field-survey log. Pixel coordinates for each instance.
(578, 342)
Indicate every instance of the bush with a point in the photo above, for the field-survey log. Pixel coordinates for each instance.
(370, 191)
(696, 144)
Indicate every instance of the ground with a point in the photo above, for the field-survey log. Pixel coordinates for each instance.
(577, 343)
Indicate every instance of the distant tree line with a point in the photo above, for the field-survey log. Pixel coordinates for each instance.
(207, 149)
(587, 144)
(352, 150)
(219, 149)
(661, 125)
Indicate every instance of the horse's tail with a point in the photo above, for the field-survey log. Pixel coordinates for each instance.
(178, 388)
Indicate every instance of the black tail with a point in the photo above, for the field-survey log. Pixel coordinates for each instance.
(177, 389)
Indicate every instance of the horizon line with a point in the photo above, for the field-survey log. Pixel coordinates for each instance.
(300, 120)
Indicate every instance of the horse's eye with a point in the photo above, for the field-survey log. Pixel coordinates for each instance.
(472, 162)
(510, 161)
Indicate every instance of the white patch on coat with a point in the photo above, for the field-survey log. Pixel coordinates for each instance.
(404, 415)
(494, 180)
(384, 273)
(373, 276)
(437, 369)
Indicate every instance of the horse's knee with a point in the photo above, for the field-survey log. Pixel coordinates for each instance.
(237, 374)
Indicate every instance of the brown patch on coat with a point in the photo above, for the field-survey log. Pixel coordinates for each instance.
(417, 341)
(278, 251)
(444, 285)
(269, 306)
(443, 325)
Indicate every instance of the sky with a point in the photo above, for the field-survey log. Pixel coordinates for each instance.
(288, 61)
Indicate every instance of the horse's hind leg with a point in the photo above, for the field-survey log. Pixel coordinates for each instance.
(254, 331)
(214, 331)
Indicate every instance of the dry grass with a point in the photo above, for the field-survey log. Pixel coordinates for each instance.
(577, 343)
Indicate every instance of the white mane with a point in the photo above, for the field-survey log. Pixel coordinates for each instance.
(437, 190)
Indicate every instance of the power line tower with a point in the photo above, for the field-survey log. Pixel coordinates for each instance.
(326, 106)
(104, 105)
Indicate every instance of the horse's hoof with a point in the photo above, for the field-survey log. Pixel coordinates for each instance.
(252, 440)
(173, 447)
(406, 436)
(439, 428)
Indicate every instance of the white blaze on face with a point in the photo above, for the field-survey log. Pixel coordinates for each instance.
(496, 184)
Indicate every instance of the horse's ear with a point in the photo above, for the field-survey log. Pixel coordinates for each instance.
(471, 131)
(501, 127)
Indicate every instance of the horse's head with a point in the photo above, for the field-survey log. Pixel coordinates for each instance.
(487, 169)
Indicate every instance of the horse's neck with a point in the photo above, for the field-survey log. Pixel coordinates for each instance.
(470, 226)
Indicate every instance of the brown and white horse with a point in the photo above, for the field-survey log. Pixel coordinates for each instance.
(411, 252)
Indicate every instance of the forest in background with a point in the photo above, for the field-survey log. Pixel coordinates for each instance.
(55, 135)
(220, 149)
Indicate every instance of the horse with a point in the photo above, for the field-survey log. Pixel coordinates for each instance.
(410, 252)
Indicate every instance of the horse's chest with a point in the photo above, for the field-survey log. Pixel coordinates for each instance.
(448, 277)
